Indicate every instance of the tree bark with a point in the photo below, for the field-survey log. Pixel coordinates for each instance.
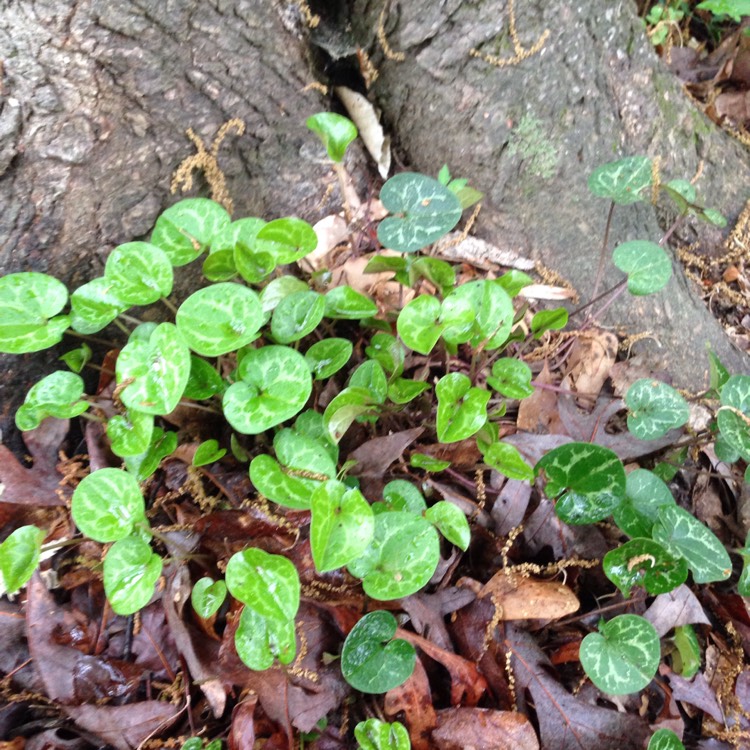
(96, 98)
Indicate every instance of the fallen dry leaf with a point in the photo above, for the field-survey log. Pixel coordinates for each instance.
(591, 358)
(675, 608)
(375, 456)
(479, 253)
(566, 722)
(483, 728)
(242, 733)
(509, 508)
(526, 598)
(538, 412)
(414, 699)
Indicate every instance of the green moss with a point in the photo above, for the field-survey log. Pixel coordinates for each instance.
(535, 146)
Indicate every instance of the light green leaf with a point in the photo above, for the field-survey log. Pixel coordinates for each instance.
(345, 303)
(19, 557)
(643, 562)
(302, 452)
(277, 289)
(665, 739)
(513, 281)
(462, 408)
(402, 390)
(371, 376)
(58, 395)
(130, 434)
(345, 408)
(684, 535)
(624, 181)
(158, 368)
(492, 317)
(342, 525)
(297, 315)
(336, 132)
(401, 558)
(208, 595)
(648, 267)
(145, 464)
(77, 359)
(623, 656)
(29, 302)
(186, 229)
(399, 494)
(259, 640)
(428, 463)
(208, 452)
(736, 393)
(107, 504)
(282, 488)
(450, 522)
(425, 211)
(268, 584)
(327, 357)
(436, 271)
(220, 318)
(131, 570)
(141, 273)
(95, 305)
(735, 9)
(418, 323)
(203, 381)
(371, 661)
(389, 351)
(507, 459)
(511, 378)
(374, 734)
(294, 238)
(589, 479)
(548, 320)
(275, 384)
(686, 661)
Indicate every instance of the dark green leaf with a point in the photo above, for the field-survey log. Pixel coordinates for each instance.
(654, 409)
(624, 181)
(643, 562)
(327, 357)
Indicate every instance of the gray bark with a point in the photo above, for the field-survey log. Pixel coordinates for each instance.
(96, 98)
(600, 92)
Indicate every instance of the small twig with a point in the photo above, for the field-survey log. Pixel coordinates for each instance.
(602, 254)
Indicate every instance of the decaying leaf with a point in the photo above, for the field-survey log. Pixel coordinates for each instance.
(526, 598)
(414, 699)
(591, 357)
(538, 412)
(462, 728)
(675, 608)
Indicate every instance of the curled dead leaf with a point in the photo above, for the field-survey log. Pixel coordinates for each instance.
(526, 598)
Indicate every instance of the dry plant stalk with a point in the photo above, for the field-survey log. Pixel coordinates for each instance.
(206, 160)
(520, 52)
(383, 39)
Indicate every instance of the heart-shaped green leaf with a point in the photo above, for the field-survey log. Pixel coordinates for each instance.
(648, 267)
(450, 522)
(185, 230)
(399, 494)
(145, 464)
(328, 356)
(311, 424)
(253, 266)
(654, 409)
(513, 281)
(336, 132)
(589, 480)
(418, 323)
(685, 536)
(294, 238)
(342, 525)
(141, 273)
(130, 434)
(623, 656)
(428, 463)
(157, 371)
(462, 408)
(687, 660)
(203, 381)
(402, 557)
(297, 315)
(220, 266)
(491, 319)
(734, 427)
(277, 289)
(735, 392)
(95, 305)
(29, 302)
(425, 211)
(57, 395)
(107, 504)
(389, 351)
(548, 320)
(267, 583)
(77, 359)
(507, 459)
(301, 452)
(284, 489)
(131, 570)
(643, 562)
(371, 376)
(371, 661)
(260, 640)
(345, 303)
(345, 408)
(402, 391)
(638, 511)
(623, 181)
(374, 734)
(665, 739)
(208, 452)
(208, 595)
(220, 318)
(511, 377)
(276, 383)
(19, 557)
(436, 271)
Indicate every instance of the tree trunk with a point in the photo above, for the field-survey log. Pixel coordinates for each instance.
(96, 98)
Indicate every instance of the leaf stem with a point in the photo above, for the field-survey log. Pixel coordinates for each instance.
(602, 254)
(93, 339)
(169, 305)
